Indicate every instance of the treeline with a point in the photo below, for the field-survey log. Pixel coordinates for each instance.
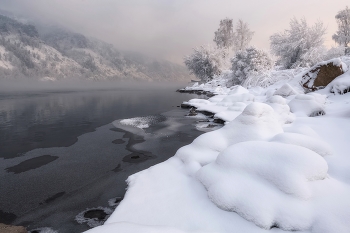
(301, 45)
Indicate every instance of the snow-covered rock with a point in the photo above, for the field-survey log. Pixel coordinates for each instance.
(306, 105)
(320, 75)
(285, 91)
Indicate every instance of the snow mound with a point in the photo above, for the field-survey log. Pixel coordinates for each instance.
(317, 145)
(285, 91)
(124, 227)
(239, 98)
(257, 122)
(232, 112)
(267, 183)
(340, 85)
(143, 122)
(238, 90)
(282, 110)
(306, 105)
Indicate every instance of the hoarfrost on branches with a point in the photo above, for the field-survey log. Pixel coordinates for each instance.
(342, 36)
(250, 62)
(224, 35)
(298, 46)
(242, 36)
(204, 62)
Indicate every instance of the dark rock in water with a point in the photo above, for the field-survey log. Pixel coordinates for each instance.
(210, 126)
(322, 74)
(192, 112)
(209, 114)
(219, 121)
(95, 214)
(197, 92)
(206, 120)
(186, 106)
(12, 229)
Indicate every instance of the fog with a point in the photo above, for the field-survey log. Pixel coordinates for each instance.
(170, 29)
(30, 85)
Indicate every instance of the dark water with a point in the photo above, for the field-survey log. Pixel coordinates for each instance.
(60, 154)
(32, 120)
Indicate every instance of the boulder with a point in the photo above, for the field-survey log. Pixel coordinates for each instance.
(320, 75)
(11, 229)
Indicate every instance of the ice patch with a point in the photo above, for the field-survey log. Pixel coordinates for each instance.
(143, 122)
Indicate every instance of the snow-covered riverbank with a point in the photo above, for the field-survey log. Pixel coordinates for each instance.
(280, 163)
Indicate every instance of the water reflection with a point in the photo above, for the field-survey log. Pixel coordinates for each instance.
(50, 119)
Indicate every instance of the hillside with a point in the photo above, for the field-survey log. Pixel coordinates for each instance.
(44, 53)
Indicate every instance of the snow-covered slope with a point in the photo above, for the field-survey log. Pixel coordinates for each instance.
(280, 163)
(50, 53)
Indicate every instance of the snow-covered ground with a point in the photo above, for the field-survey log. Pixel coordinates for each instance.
(280, 163)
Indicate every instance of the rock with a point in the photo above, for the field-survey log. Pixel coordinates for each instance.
(192, 112)
(12, 229)
(186, 106)
(322, 74)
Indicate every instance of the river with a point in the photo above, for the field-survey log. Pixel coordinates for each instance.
(60, 154)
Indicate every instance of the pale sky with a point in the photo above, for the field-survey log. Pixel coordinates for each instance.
(169, 29)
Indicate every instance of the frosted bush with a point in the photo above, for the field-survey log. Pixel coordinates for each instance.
(204, 62)
(250, 62)
(300, 45)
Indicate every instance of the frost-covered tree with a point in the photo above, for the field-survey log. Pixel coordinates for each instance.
(342, 36)
(250, 62)
(224, 35)
(242, 36)
(298, 45)
(204, 63)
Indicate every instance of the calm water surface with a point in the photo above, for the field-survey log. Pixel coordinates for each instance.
(60, 154)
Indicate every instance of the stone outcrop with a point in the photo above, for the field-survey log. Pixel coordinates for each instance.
(322, 74)
(12, 229)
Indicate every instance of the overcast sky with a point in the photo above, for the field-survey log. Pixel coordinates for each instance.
(171, 28)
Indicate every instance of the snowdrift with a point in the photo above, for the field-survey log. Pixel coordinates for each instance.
(280, 163)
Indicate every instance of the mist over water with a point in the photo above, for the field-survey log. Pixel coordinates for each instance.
(81, 85)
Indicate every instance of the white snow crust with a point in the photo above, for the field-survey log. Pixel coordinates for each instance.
(276, 165)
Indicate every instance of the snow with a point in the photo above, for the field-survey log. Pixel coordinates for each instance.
(285, 91)
(306, 105)
(279, 163)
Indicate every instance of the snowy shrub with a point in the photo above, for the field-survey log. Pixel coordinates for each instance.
(250, 62)
(299, 46)
(204, 63)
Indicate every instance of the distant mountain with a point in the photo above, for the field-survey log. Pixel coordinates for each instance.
(51, 53)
